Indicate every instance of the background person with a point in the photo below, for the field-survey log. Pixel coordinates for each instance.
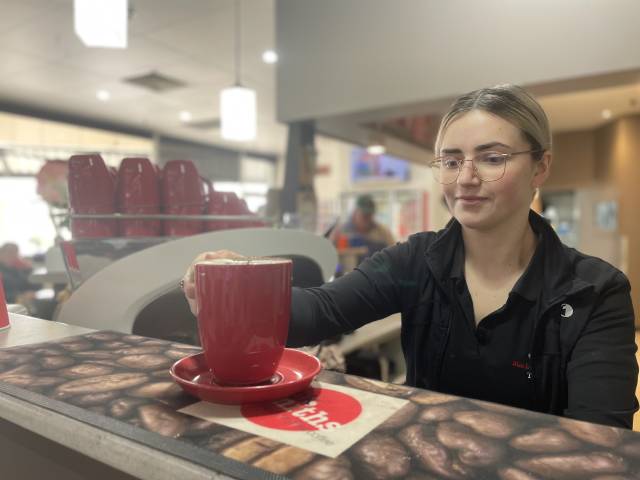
(362, 230)
(15, 272)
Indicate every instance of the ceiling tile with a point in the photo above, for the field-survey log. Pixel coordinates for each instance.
(54, 78)
(44, 65)
(151, 15)
(15, 62)
(15, 13)
(142, 56)
(50, 35)
(207, 39)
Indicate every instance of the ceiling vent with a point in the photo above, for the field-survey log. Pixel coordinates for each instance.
(156, 82)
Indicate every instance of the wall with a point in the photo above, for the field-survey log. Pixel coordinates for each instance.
(605, 244)
(347, 56)
(602, 165)
(574, 163)
(20, 130)
(617, 147)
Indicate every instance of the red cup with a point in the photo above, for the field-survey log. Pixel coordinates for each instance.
(245, 211)
(219, 205)
(4, 314)
(228, 203)
(207, 188)
(138, 193)
(182, 194)
(243, 317)
(91, 191)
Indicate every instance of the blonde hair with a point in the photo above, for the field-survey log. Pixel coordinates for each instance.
(511, 103)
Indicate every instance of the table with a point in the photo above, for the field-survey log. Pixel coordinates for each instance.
(430, 436)
(81, 450)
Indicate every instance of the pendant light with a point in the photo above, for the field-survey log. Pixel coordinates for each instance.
(237, 103)
(101, 23)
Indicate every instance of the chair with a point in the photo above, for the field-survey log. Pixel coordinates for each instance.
(139, 294)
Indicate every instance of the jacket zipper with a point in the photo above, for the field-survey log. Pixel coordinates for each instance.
(530, 372)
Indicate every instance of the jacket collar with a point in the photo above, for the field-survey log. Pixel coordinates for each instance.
(445, 257)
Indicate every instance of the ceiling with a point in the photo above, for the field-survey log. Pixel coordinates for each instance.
(44, 67)
(582, 110)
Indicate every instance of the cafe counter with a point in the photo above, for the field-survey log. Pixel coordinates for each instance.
(76, 403)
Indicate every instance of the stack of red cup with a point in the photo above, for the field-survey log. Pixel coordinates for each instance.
(142, 188)
(219, 205)
(91, 191)
(182, 194)
(138, 193)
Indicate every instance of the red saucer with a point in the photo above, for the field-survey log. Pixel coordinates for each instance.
(295, 372)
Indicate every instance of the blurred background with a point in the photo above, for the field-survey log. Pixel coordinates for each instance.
(325, 101)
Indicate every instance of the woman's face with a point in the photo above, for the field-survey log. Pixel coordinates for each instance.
(486, 205)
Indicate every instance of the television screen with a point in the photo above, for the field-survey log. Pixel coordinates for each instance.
(367, 167)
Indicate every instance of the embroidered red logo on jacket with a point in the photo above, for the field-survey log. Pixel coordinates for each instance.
(519, 364)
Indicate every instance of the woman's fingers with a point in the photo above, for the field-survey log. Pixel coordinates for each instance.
(188, 281)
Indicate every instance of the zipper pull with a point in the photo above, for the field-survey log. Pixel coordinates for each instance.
(529, 369)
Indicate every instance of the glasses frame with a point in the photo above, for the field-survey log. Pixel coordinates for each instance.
(461, 162)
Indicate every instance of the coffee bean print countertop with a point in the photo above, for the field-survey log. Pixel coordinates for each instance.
(124, 379)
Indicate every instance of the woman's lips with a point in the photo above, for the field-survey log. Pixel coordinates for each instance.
(470, 199)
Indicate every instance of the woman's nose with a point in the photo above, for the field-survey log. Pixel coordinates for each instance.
(468, 173)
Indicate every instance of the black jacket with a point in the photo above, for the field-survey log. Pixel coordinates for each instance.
(583, 366)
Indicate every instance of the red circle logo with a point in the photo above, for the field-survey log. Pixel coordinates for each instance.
(315, 409)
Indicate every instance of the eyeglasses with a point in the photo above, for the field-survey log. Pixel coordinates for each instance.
(488, 166)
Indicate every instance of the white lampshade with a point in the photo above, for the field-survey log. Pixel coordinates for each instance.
(238, 113)
(101, 23)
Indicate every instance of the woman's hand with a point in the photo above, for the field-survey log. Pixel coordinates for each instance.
(188, 281)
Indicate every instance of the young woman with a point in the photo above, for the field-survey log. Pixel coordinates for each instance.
(493, 306)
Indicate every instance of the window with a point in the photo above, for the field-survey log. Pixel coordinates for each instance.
(24, 216)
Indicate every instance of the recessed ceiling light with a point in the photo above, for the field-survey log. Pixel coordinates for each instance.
(185, 116)
(269, 56)
(606, 114)
(103, 95)
(376, 149)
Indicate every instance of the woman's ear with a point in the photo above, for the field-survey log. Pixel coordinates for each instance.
(542, 170)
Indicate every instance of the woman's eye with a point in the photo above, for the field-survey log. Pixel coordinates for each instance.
(450, 162)
(492, 159)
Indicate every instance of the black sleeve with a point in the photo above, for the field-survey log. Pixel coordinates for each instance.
(602, 372)
(370, 292)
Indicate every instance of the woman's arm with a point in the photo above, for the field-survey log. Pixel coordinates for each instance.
(602, 372)
(370, 292)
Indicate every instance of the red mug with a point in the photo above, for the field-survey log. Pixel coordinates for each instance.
(219, 205)
(91, 191)
(138, 192)
(243, 317)
(182, 194)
